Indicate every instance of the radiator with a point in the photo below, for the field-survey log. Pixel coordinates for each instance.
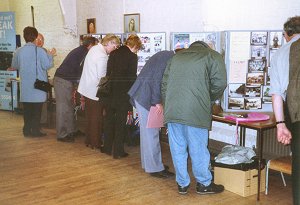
(271, 147)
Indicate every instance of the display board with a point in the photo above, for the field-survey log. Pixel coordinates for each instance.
(185, 39)
(8, 88)
(248, 58)
(152, 43)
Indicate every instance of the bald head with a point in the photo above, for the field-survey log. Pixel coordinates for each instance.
(39, 41)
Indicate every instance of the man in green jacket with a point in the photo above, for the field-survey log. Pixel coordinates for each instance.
(192, 81)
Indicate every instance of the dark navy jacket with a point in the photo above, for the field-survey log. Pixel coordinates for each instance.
(146, 89)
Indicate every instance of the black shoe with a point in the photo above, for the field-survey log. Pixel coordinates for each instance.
(162, 174)
(125, 154)
(183, 189)
(210, 189)
(38, 134)
(26, 134)
(68, 138)
(78, 133)
(102, 150)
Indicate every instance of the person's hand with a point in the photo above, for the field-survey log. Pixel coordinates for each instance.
(160, 108)
(283, 134)
(52, 51)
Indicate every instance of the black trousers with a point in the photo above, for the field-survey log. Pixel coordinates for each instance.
(32, 117)
(115, 128)
(295, 128)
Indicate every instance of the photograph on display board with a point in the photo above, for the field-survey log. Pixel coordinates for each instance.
(236, 103)
(253, 103)
(253, 91)
(267, 76)
(236, 90)
(275, 39)
(255, 79)
(91, 25)
(158, 43)
(267, 98)
(259, 38)
(209, 38)
(256, 65)
(258, 51)
(6, 58)
(181, 40)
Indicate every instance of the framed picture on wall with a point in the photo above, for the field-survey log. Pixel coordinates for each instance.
(91, 25)
(132, 23)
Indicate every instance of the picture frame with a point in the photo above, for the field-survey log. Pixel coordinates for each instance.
(257, 65)
(258, 52)
(236, 103)
(91, 25)
(259, 38)
(276, 39)
(236, 90)
(253, 91)
(267, 98)
(253, 103)
(132, 23)
(255, 79)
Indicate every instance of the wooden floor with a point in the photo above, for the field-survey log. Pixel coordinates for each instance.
(44, 171)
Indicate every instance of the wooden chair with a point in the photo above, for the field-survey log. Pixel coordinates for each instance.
(281, 164)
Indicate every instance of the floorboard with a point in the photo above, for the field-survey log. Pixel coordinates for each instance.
(45, 171)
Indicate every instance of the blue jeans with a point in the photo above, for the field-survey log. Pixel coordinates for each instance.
(184, 140)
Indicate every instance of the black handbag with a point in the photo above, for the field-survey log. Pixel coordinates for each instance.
(104, 87)
(40, 84)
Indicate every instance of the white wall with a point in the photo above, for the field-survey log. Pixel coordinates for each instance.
(189, 15)
(156, 16)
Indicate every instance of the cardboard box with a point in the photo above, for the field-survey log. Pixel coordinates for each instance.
(243, 183)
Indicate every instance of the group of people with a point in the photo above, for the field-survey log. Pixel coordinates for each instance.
(183, 85)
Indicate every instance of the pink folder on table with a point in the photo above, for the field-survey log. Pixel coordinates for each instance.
(155, 120)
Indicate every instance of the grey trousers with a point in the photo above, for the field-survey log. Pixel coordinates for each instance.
(65, 120)
(151, 158)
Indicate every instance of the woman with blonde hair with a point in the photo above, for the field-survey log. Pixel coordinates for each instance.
(95, 66)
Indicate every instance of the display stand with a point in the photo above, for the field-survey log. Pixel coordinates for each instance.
(247, 59)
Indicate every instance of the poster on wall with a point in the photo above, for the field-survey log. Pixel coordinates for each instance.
(8, 88)
(152, 43)
(7, 32)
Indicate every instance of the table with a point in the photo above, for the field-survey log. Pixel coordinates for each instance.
(259, 127)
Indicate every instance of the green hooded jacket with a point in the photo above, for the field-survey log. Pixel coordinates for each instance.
(193, 80)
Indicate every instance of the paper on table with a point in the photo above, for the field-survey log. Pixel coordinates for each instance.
(155, 120)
